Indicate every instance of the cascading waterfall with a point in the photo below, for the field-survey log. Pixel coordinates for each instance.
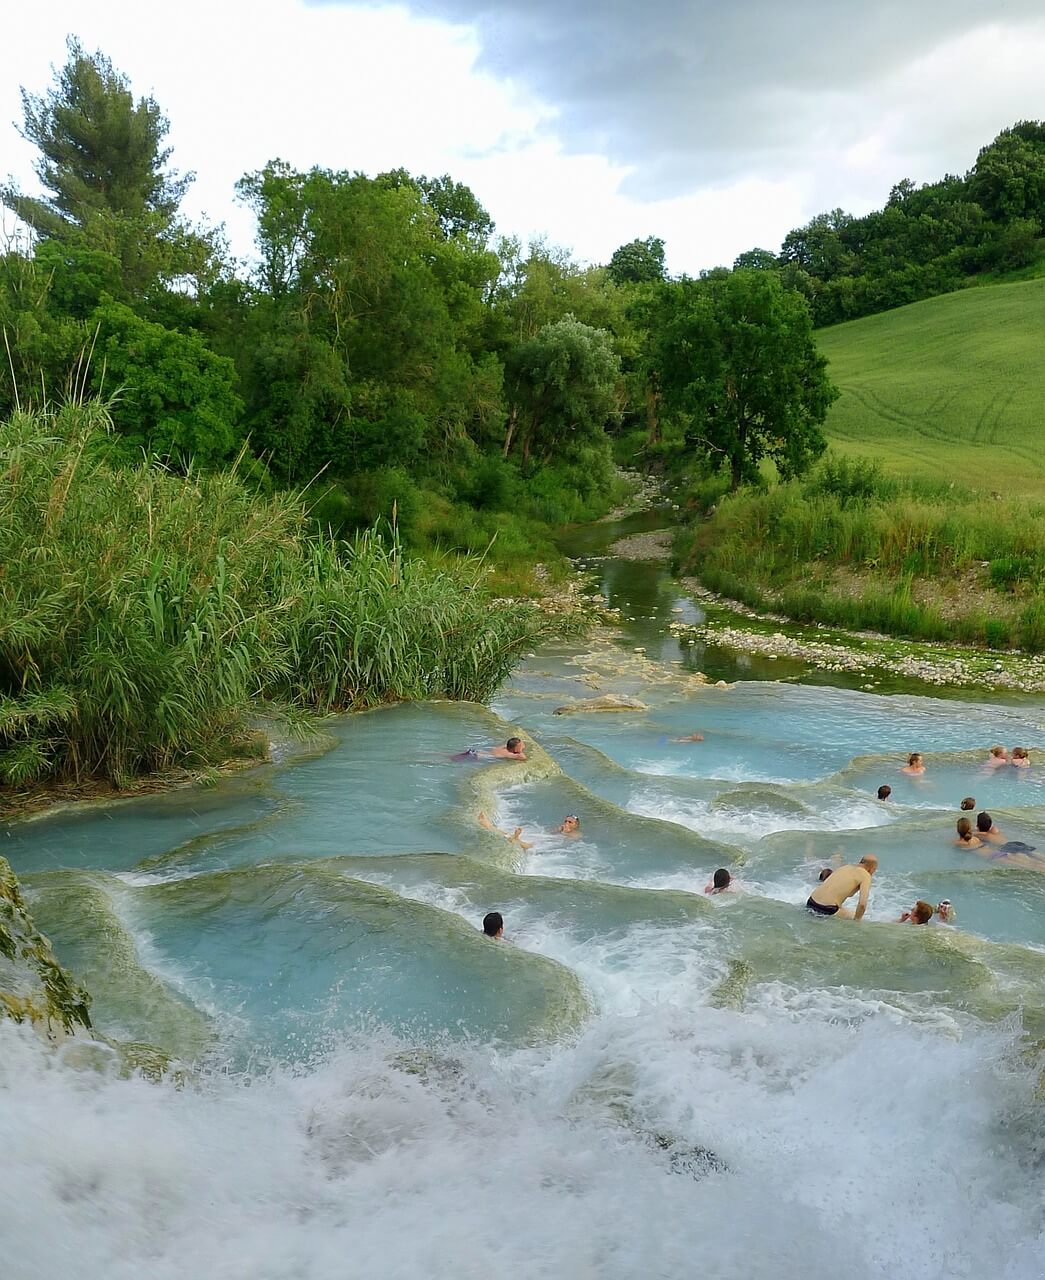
(638, 1080)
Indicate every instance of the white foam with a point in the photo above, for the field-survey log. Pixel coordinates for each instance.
(539, 1163)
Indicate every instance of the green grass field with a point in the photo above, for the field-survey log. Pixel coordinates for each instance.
(950, 387)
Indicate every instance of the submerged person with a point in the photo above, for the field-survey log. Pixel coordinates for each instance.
(493, 924)
(966, 838)
(997, 758)
(513, 749)
(986, 830)
(690, 737)
(825, 873)
(721, 882)
(1020, 758)
(920, 913)
(968, 804)
(514, 838)
(827, 898)
(884, 791)
(915, 766)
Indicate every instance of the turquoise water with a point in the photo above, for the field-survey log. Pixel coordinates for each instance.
(629, 1080)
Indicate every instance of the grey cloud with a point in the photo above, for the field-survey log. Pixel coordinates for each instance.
(706, 90)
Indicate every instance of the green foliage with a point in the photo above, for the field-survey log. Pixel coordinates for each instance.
(563, 384)
(142, 615)
(638, 262)
(737, 359)
(174, 397)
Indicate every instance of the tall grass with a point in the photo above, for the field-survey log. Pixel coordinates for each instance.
(779, 546)
(143, 615)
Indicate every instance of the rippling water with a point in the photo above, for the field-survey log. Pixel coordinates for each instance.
(639, 1081)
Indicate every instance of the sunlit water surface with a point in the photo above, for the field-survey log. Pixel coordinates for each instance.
(641, 1080)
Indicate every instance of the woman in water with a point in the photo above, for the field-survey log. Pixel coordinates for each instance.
(998, 757)
(1020, 758)
(915, 766)
(720, 882)
(966, 839)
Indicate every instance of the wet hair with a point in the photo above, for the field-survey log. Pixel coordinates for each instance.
(964, 827)
(492, 922)
(984, 822)
(1020, 753)
(513, 744)
(915, 755)
(969, 802)
(825, 874)
(721, 878)
(923, 912)
(997, 751)
(884, 791)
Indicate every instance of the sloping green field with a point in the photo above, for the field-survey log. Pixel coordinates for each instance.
(952, 387)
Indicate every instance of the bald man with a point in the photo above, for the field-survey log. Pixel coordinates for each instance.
(827, 898)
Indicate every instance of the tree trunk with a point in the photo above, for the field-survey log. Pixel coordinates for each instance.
(652, 417)
(513, 418)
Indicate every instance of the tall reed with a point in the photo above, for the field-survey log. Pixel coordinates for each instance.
(143, 615)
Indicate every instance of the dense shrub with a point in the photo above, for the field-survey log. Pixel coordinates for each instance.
(143, 614)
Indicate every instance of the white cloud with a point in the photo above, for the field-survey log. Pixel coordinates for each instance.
(654, 136)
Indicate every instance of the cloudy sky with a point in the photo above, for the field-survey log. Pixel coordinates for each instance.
(716, 124)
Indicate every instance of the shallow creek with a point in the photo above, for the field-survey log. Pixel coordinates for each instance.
(640, 1080)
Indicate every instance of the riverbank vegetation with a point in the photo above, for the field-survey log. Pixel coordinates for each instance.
(851, 547)
(145, 615)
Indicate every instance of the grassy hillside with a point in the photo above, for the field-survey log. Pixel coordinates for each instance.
(950, 387)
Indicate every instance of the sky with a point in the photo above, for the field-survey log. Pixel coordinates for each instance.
(718, 125)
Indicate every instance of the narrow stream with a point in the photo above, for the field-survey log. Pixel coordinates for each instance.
(639, 1079)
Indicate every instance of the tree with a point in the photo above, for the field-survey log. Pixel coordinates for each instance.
(563, 387)
(737, 359)
(638, 262)
(1008, 179)
(103, 164)
(756, 260)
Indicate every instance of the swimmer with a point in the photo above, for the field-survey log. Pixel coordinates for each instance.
(513, 749)
(915, 766)
(569, 826)
(997, 757)
(690, 737)
(966, 839)
(514, 838)
(1020, 758)
(920, 913)
(968, 804)
(945, 912)
(986, 830)
(493, 924)
(840, 885)
(721, 882)
(884, 792)
(825, 873)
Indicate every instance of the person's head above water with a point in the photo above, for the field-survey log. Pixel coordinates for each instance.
(969, 803)
(914, 759)
(869, 862)
(984, 821)
(945, 911)
(825, 874)
(721, 879)
(515, 746)
(570, 824)
(1020, 753)
(964, 828)
(999, 753)
(493, 924)
(884, 791)
(922, 913)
